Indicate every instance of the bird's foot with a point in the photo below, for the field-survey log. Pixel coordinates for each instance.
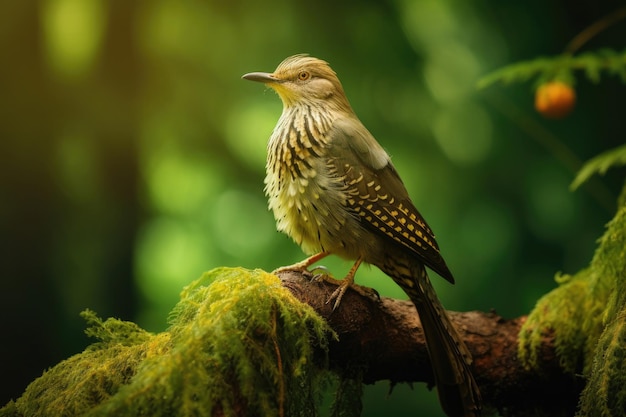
(321, 274)
(348, 282)
(342, 287)
(303, 266)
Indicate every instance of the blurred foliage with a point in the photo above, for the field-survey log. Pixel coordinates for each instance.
(561, 68)
(133, 154)
(231, 328)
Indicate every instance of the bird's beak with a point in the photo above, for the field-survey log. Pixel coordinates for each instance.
(262, 77)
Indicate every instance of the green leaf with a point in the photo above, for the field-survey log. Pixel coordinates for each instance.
(600, 164)
(521, 71)
(560, 67)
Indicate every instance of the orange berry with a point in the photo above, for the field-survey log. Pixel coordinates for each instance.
(555, 99)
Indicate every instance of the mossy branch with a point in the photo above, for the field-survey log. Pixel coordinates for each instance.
(384, 340)
(246, 343)
(239, 344)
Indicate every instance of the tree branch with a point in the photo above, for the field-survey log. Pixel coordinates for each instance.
(385, 339)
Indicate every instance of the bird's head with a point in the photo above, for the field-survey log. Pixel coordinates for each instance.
(302, 79)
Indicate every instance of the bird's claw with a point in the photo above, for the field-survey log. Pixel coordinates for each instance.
(342, 287)
(319, 273)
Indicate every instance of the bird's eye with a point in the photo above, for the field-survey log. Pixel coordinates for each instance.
(304, 75)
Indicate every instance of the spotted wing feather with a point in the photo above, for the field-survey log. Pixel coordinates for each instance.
(377, 194)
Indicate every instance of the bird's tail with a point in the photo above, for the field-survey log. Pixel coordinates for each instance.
(450, 359)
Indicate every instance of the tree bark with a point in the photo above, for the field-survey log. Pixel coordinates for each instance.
(384, 339)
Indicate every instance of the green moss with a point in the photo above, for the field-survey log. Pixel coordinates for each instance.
(349, 395)
(573, 314)
(605, 392)
(238, 341)
(586, 315)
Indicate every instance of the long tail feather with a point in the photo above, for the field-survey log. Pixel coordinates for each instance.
(459, 394)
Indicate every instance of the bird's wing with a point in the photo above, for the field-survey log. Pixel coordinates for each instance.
(376, 192)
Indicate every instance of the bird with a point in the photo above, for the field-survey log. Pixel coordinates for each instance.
(334, 190)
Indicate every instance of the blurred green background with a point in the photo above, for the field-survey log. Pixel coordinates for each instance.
(132, 154)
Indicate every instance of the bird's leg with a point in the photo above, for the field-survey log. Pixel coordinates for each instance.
(302, 265)
(342, 285)
(348, 282)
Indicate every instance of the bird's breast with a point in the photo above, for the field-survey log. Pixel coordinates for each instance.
(307, 198)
